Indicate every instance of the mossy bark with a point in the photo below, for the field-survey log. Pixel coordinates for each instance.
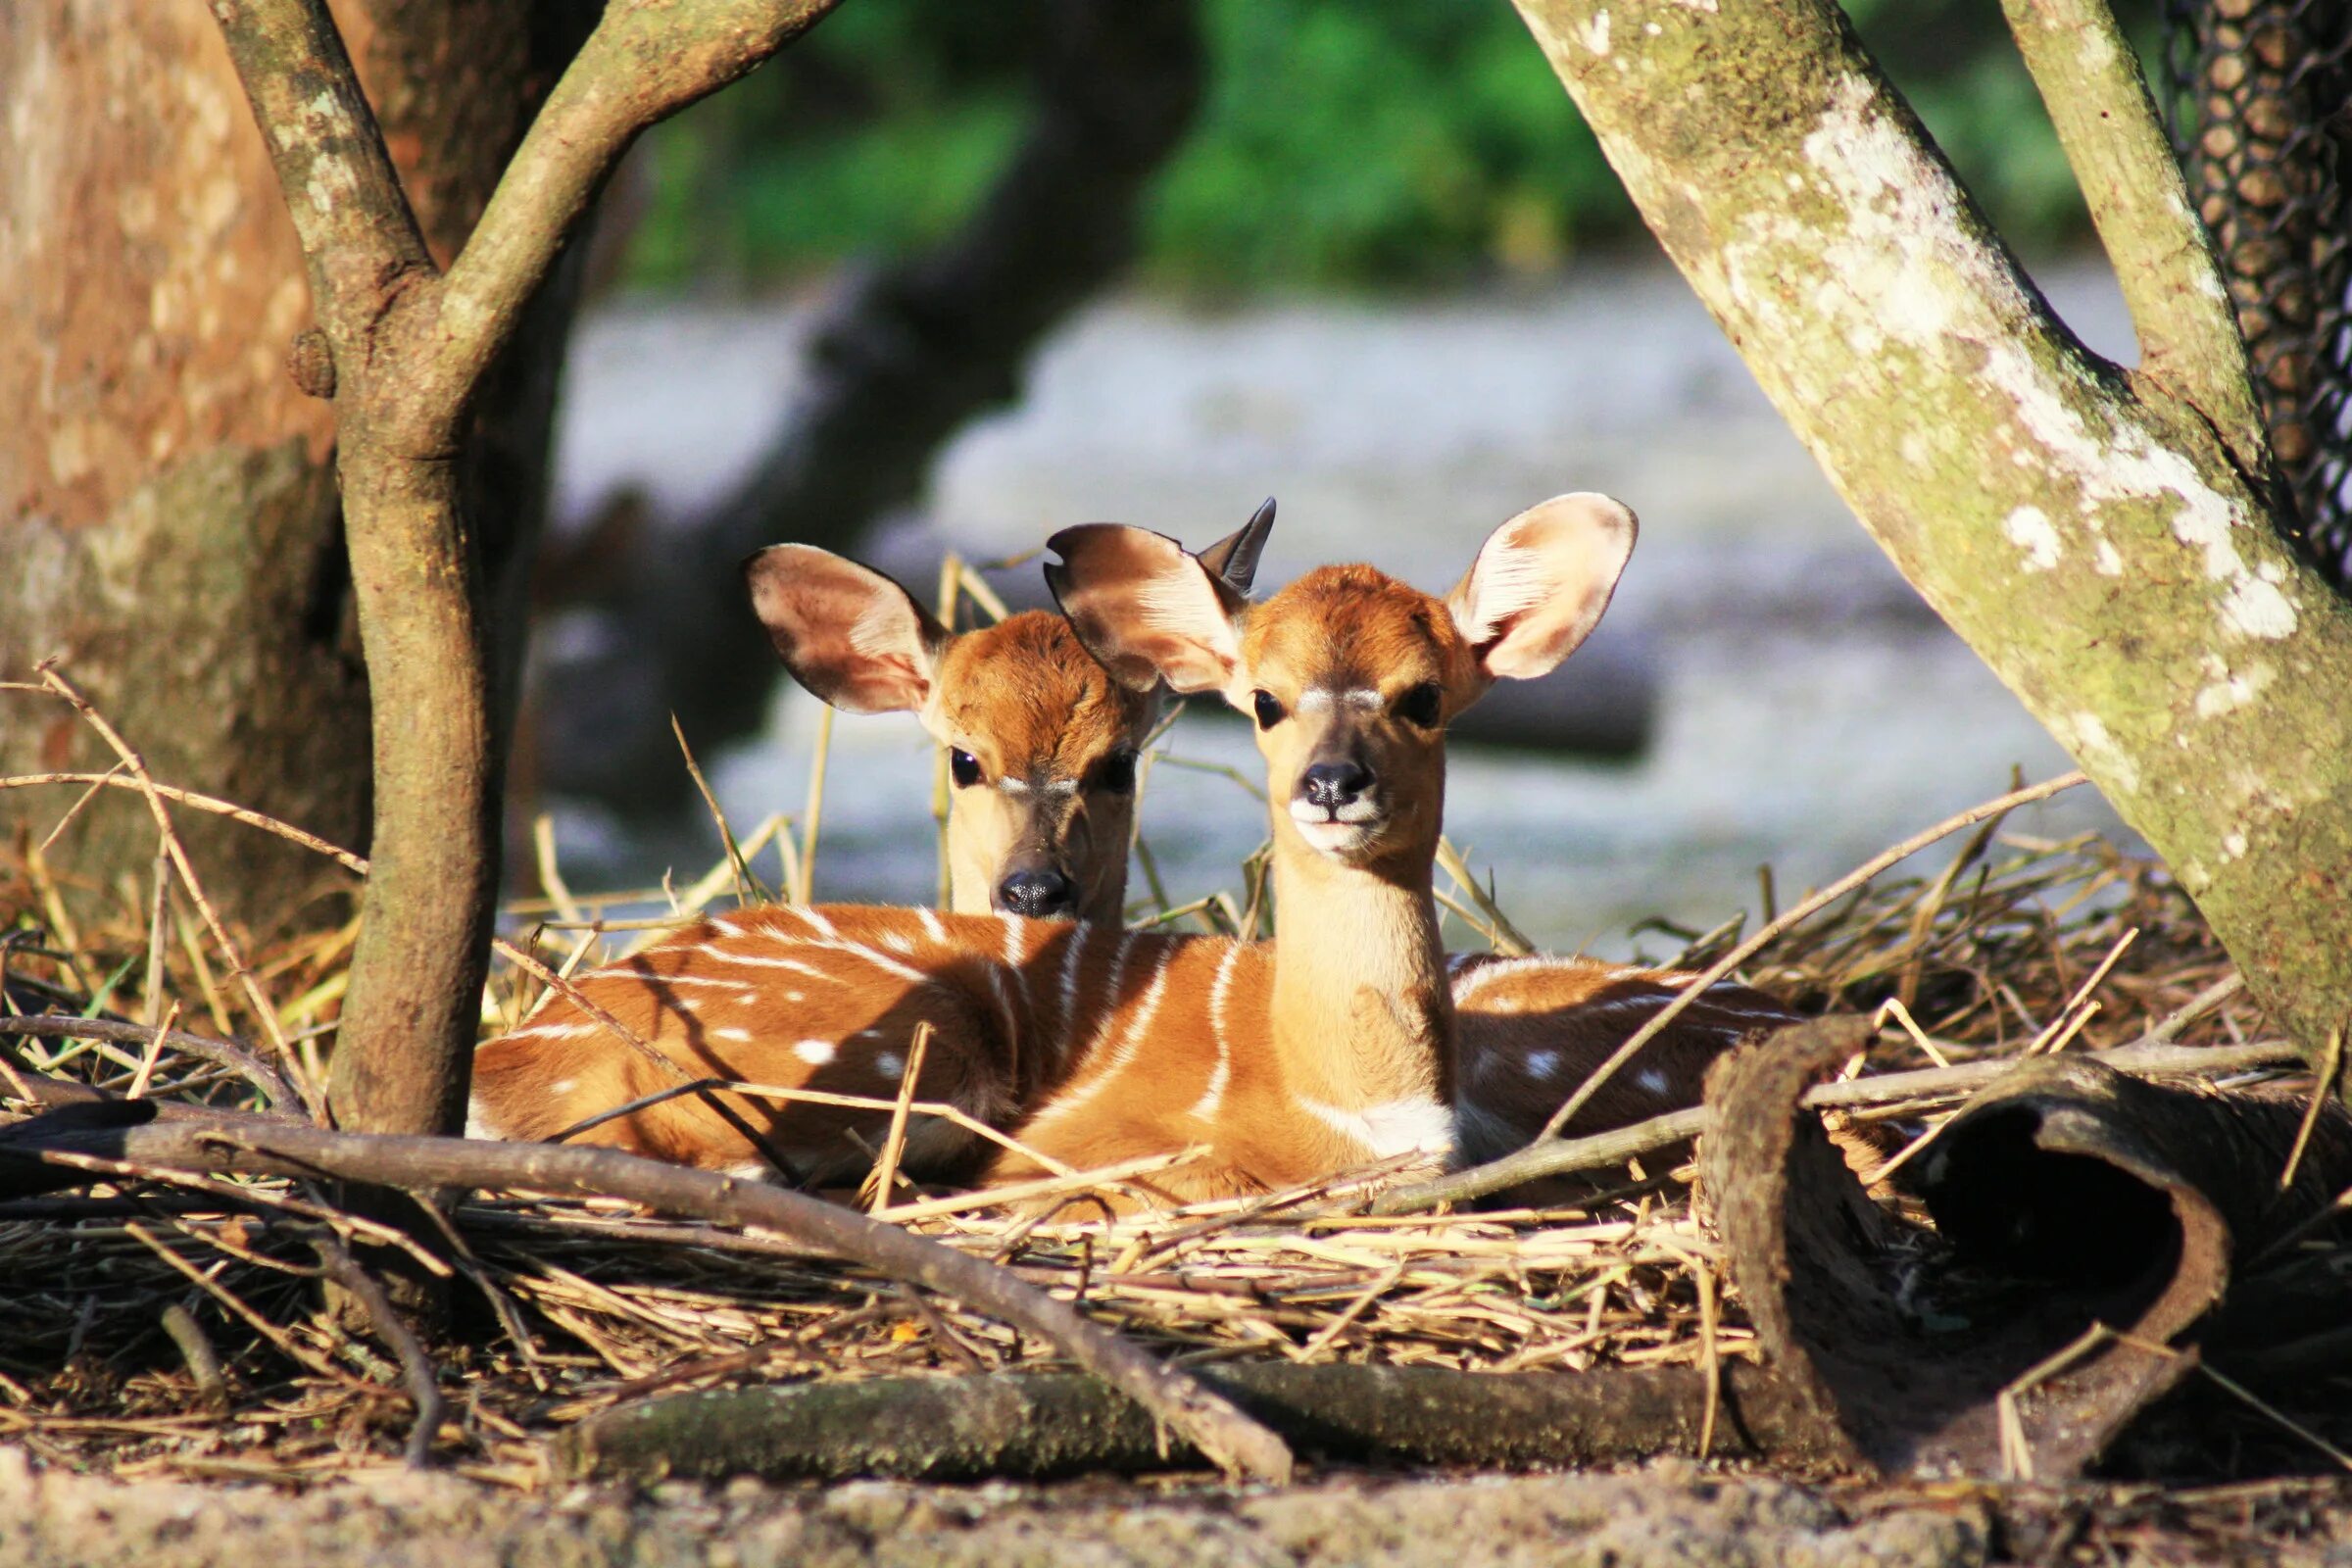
(2090, 532)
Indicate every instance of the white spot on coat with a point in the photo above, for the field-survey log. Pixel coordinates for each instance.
(815, 1053)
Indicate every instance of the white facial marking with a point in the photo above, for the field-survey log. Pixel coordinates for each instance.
(815, 1053)
(1339, 839)
(1013, 786)
(1323, 698)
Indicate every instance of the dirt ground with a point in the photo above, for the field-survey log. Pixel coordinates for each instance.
(1670, 1514)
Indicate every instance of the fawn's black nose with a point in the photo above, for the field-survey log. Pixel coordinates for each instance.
(1334, 784)
(1037, 893)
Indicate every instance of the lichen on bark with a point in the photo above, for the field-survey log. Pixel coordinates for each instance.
(2084, 528)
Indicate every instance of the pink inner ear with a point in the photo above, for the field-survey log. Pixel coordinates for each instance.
(879, 683)
(849, 634)
(1145, 608)
(1540, 583)
(1186, 663)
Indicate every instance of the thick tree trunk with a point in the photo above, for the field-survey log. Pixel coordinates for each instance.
(168, 503)
(2104, 540)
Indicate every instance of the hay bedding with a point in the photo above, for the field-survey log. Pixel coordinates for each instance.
(570, 1307)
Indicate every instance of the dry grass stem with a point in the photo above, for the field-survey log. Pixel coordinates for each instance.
(596, 1301)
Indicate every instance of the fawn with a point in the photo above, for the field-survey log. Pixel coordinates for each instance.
(1042, 746)
(1290, 1061)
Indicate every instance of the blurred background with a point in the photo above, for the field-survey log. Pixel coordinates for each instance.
(947, 278)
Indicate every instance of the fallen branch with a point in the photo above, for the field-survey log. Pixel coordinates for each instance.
(417, 1367)
(2146, 1059)
(224, 1144)
(219, 1053)
(1030, 1424)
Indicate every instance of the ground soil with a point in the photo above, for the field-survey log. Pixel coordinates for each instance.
(1669, 1513)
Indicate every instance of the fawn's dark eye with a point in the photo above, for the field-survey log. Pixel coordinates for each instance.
(1115, 773)
(1271, 712)
(964, 767)
(1422, 705)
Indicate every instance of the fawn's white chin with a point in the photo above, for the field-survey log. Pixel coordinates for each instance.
(1340, 840)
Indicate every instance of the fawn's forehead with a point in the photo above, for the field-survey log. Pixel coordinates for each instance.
(1026, 691)
(1352, 627)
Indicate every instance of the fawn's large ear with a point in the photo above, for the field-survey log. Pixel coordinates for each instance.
(1540, 582)
(1234, 558)
(1145, 608)
(848, 633)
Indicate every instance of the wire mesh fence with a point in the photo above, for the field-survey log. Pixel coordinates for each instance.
(2260, 106)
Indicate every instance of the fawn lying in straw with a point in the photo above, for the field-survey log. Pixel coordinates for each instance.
(1094, 1043)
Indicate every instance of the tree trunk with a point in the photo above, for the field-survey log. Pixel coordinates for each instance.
(167, 501)
(2104, 540)
(408, 347)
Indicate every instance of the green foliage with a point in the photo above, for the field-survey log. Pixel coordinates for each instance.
(1377, 142)
(1342, 143)
(877, 134)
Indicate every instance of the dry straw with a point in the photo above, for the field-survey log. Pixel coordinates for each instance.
(175, 1328)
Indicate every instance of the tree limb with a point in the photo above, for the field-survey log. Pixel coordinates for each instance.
(1568, 1156)
(2094, 542)
(412, 350)
(646, 60)
(2091, 82)
(220, 1053)
(226, 1144)
(1033, 1424)
(357, 233)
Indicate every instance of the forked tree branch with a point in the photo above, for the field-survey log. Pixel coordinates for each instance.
(359, 236)
(2091, 82)
(646, 60)
(2104, 547)
(412, 350)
